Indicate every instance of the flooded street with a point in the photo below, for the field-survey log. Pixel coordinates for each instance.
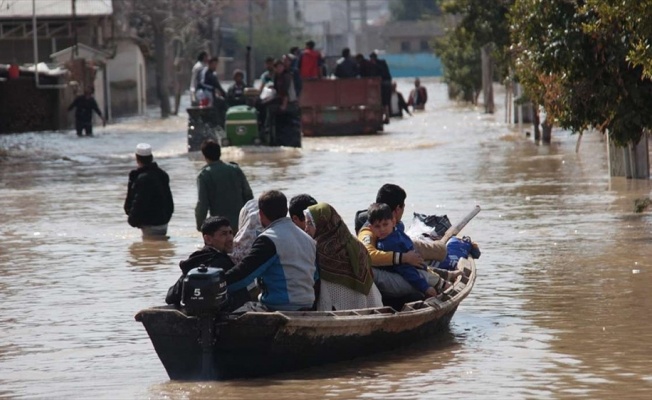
(559, 309)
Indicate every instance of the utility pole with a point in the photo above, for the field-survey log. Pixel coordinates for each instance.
(350, 36)
(363, 27)
(74, 27)
(249, 66)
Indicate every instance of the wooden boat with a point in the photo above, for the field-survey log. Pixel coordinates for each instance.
(262, 343)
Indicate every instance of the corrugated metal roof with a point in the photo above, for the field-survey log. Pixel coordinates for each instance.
(54, 8)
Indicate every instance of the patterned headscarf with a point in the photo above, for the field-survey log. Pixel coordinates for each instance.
(341, 257)
(250, 227)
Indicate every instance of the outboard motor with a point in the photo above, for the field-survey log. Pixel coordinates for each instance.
(204, 295)
(204, 290)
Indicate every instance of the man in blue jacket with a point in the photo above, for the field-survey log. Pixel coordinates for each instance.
(282, 258)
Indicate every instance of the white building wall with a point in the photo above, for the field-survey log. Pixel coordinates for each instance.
(129, 64)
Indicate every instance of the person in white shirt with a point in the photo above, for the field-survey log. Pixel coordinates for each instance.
(202, 62)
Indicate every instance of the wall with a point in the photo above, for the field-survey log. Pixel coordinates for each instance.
(24, 108)
(413, 65)
(125, 77)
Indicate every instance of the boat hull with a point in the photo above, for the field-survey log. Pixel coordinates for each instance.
(255, 344)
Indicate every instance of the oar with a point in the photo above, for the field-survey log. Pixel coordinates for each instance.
(454, 230)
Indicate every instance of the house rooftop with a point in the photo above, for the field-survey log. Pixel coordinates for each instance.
(54, 8)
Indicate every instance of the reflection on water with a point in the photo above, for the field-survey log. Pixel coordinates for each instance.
(151, 253)
(558, 310)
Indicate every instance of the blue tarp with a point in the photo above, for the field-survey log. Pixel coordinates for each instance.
(413, 65)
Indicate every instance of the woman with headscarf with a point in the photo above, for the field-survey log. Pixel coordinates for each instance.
(344, 263)
(249, 228)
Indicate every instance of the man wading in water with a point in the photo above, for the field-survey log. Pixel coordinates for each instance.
(84, 106)
(149, 203)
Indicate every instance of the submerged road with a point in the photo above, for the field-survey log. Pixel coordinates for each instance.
(559, 309)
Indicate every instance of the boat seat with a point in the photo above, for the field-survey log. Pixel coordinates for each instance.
(398, 302)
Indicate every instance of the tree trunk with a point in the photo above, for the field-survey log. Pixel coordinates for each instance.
(547, 131)
(487, 79)
(536, 121)
(161, 81)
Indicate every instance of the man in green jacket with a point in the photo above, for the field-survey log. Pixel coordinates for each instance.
(222, 187)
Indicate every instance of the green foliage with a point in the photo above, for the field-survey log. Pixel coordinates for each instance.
(484, 22)
(270, 40)
(632, 17)
(413, 10)
(462, 64)
(481, 22)
(577, 67)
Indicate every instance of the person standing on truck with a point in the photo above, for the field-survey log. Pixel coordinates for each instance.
(202, 62)
(346, 66)
(310, 62)
(235, 96)
(210, 84)
(267, 76)
(294, 67)
(385, 82)
(365, 68)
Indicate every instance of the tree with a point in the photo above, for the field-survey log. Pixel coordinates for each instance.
(481, 23)
(632, 16)
(413, 10)
(577, 65)
(462, 64)
(192, 27)
(485, 22)
(181, 23)
(270, 40)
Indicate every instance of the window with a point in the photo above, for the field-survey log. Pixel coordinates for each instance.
(424, 45)
(405, 46)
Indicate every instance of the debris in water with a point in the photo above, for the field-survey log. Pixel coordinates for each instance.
(641, 204)
(636, 271)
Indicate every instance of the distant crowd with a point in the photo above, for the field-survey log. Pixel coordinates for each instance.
(282, 81)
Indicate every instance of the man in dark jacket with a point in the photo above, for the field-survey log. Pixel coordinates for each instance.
(346, 66)
(218, 242)
(149, 203)
(385, 82)
(235, 96)
(84, 106)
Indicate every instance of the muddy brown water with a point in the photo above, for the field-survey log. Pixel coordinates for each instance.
(560, 308)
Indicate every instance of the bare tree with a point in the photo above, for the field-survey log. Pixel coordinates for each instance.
(194, 27)
(179, 24)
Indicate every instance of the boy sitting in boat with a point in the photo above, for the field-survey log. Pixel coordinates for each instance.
(391, 285)
(392, 237)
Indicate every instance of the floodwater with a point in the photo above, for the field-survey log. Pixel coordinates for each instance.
(560, 308)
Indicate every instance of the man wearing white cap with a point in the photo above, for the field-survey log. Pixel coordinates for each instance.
(149, 203)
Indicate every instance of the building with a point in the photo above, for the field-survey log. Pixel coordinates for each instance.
(79, 36)
(410, 36)
(332, 24)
